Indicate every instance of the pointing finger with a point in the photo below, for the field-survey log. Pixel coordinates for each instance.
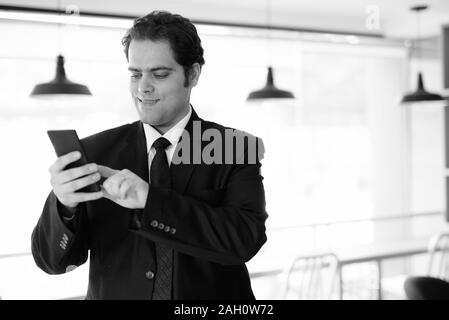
(106, 171)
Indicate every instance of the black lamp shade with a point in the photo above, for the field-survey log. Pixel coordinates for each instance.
(270, 91)
(421, 94)
(60, 84)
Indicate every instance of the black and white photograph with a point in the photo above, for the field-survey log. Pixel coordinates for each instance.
(245, 152)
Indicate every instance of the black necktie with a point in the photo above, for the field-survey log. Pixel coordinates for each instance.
(160, 177)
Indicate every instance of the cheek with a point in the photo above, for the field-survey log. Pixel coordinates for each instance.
(174, 92)
(132, 87)
(173, 87)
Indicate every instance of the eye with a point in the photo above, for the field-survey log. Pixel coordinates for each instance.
(136, 75)
(161, 75)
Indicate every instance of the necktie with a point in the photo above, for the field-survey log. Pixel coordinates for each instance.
(160, 177)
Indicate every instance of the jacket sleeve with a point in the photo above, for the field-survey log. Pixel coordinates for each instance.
(229, 231)
(56, 247)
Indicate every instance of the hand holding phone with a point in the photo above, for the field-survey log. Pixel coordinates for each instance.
(73, 178)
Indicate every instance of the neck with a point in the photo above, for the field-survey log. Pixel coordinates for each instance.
(162, 129)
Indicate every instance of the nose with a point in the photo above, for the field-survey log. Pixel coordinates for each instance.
(146, 90)
(145, 86)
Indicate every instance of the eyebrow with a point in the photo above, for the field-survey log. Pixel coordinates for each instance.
(152, 69)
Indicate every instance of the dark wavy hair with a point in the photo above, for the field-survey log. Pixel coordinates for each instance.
(174, 28)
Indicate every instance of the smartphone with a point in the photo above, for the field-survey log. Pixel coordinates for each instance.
(65, 141)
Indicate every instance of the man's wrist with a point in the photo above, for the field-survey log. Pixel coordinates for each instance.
(67, 212)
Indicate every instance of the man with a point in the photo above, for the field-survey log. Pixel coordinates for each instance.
(166, 224)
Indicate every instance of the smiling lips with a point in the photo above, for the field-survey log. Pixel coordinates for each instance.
(148, 101)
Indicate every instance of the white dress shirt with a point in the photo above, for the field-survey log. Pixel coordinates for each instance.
(171, 135)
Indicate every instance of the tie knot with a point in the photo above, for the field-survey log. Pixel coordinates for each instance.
(161, 143)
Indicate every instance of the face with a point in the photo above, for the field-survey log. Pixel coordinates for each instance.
(157, 83)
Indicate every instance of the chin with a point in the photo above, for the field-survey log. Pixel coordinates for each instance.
(148, 116)
(150, 119)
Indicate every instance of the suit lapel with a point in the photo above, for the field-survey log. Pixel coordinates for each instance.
(133, 153)
(181, 173)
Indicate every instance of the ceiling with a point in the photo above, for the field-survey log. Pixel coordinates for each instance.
(395, 18)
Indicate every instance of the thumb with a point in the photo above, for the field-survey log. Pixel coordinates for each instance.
(106, 171)
(106, 194)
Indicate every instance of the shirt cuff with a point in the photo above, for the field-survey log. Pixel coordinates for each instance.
(67, 215)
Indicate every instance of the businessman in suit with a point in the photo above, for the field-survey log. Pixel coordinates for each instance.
(181, 209)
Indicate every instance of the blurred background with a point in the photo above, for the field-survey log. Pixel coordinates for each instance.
(353, 171)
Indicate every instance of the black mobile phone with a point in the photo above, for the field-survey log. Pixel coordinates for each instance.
(66, 141)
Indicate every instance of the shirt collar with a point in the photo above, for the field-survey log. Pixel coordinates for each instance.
(171, 135)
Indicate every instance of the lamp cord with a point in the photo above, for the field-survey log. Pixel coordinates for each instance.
(269, 44)
(59, 28)
(417, 44)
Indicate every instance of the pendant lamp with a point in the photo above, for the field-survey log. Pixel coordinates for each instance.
(420, 94)
(60, 85)
(269, 91)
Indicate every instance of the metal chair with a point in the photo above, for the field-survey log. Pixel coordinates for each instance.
(435, 285)
(439, 256)
(313, 277)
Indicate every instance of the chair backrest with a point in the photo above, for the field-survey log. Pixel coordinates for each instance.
(313, 277)
(439, 256)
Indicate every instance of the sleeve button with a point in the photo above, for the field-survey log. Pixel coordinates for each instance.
(149, 275)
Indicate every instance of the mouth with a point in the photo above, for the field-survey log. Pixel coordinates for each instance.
(149, 102)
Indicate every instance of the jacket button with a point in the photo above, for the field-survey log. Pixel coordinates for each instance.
(173, 231)
(167, 229)
(161, 226)
(149, 275)
(154, 223)
(71, 267)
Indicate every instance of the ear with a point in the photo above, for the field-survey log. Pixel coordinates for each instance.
(194, 74)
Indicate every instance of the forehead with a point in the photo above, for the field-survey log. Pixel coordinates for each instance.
(148, 54)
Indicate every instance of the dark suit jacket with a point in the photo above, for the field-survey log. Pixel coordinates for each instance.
(215, 213)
